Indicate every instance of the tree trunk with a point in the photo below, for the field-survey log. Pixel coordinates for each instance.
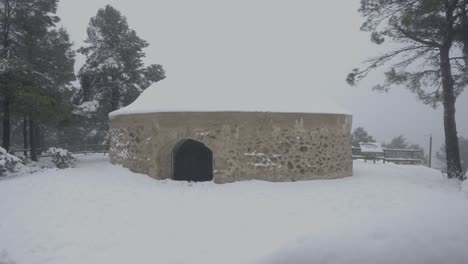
(6, 124)
(32, 139)
(25, 135)
(86, 83)
(454, 169)
(38, 139)
(6, 56)
(115, 98)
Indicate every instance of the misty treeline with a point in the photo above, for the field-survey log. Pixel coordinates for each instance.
(428, 55)
(360, 135)
(41, 103)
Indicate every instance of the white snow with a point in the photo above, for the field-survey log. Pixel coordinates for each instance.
(100, 213)
(59, 151)
(86, 108)
(371, 147)
(173, 95)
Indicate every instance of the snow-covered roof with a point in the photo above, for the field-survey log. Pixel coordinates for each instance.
(172, 95)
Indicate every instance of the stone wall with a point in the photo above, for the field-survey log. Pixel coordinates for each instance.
(246, 145)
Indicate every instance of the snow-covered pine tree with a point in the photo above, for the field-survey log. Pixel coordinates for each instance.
(114, 68)
(13, 14)
(48, 69)
(47, 85)
(114, 74)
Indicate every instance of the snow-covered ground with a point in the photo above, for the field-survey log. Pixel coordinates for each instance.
(100, 213)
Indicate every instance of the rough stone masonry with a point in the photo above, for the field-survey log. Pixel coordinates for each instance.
(277, 147)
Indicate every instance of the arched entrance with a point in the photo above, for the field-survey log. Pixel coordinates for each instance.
(192, 161)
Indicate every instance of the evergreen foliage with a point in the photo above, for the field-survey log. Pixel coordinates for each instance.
(62, 158)
(8, 162)
(37, 69)
(114, 74)
(361, 136)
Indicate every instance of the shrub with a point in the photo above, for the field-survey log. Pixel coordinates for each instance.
(8, 162)
(62, 158)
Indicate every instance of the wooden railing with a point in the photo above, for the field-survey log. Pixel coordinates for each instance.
(74, 149)
(398, 156)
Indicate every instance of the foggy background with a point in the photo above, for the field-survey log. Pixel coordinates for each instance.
(262, 48)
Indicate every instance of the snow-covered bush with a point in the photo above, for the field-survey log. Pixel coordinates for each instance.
(8, 162)
(62, 158)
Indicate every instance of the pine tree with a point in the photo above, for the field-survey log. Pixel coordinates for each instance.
(427, 33)
(114, 67)
(48, 83)
(48, 60)
(13, 17)
(361, 136)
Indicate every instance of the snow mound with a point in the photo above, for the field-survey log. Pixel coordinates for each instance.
(8, 162)
(173, 95)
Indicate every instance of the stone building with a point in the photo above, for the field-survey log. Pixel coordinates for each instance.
(203, 144)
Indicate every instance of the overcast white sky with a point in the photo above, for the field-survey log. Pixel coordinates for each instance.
(271, 48)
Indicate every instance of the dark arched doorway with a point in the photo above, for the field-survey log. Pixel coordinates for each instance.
(192, 161)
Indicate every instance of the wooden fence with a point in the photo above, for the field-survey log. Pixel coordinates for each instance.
(74, 149)
(398, 156)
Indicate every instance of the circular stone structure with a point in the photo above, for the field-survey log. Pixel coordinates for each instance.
(229, 146)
